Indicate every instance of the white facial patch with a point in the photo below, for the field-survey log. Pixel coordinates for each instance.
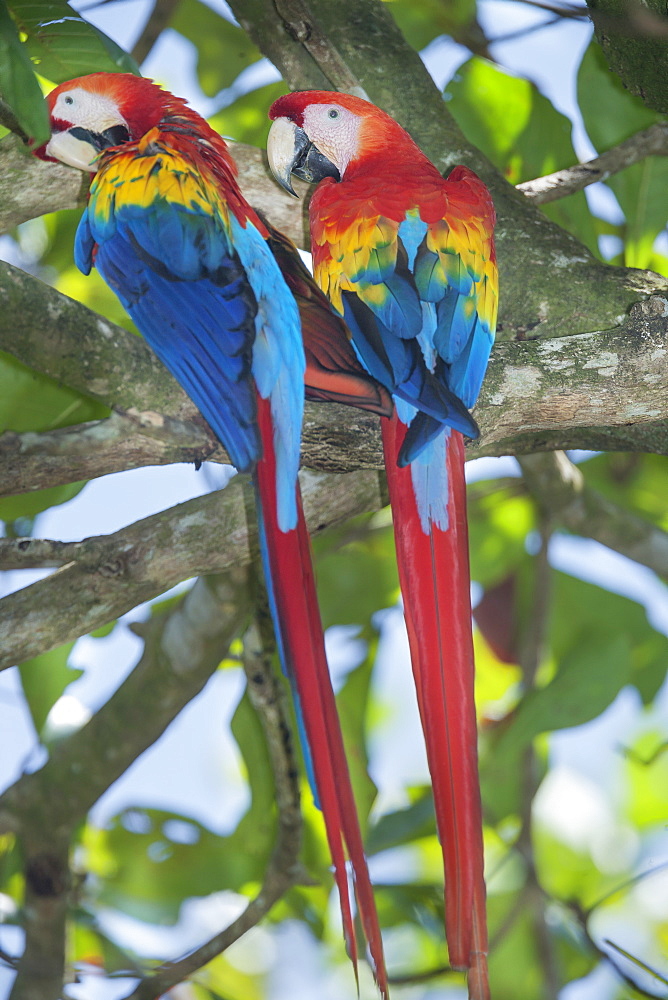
(335, 131)
(94, 112)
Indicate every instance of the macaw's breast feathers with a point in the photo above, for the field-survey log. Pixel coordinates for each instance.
(411, 266)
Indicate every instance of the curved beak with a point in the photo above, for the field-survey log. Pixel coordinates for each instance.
(290, 151)
(80, 147)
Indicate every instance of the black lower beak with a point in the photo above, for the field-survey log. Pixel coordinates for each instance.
(311, 165)
(114, 136)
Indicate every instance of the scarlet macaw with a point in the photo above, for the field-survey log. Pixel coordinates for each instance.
(407, 258)
(169, 230)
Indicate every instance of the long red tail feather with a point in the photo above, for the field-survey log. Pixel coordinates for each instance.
(293, 593)
(435, 582)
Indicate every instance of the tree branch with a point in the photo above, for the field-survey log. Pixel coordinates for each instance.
(284, 870)
(600, 390)
(182, 649)
(634, 38)
(111, 574)
(559, 489)
(30, 188)
(652, 141)
(302, 26)
(157, 21)
(41, 968)
(33, 461)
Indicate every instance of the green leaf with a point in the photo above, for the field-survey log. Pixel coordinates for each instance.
(353, 703)
(63, 45)
(30, 401)
(500, 517)
(611, 115)
(404, 825)
(357, 572)
(632, 480)
(43, 679)
(28, 505)
(147, 874)
(646, 773)
(588, 679)
(521, 132)
(421, 21)
(257, 827)
(246, 119)
(583, 613)
(18, 85)
(223, 49)
(517, 963)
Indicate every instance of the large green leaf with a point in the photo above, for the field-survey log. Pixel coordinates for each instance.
(223, 49)
(633, 480)
(30, 401)
(18, 85)
(588, 679)
(592, 662)
(423, 20)
(62, 44)
(145, 872)
(611, 115)
(585, 613)
(521, 132)
(500, 517)
(29, 505)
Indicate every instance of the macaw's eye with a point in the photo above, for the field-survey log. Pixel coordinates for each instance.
(69, 100)
(333, 113)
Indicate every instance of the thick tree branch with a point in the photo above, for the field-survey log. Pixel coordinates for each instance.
(32, 461)
(284, 870)
(41, 968)
(600, 390)
(652, 141)
(111, 574)
(299, 22)
(634, 38)
(559, 489)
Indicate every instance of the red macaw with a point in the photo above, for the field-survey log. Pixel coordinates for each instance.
(169, 230)
(407, 259)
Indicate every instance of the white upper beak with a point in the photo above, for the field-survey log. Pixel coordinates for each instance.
(74, 152)
(281, 144)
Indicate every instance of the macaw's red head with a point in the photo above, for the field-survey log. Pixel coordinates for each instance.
(318, 133)
(94, 112)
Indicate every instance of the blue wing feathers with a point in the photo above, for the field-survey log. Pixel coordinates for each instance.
(278, 362)
(196, 333)
(84, 245)
(207, 294)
